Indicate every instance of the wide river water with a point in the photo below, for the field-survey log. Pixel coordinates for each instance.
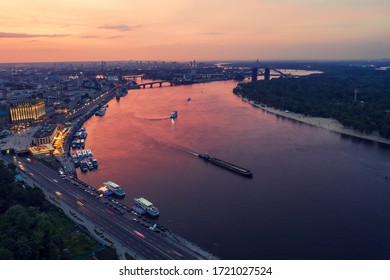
(314, 194)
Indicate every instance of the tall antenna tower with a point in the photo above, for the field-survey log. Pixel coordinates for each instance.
(356, 92)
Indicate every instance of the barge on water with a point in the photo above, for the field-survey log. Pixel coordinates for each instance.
(229, 166)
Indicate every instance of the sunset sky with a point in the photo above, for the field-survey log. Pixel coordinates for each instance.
(182, 30)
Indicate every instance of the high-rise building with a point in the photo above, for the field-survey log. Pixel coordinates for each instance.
(254, 74)
(267, 74)
(26, 111)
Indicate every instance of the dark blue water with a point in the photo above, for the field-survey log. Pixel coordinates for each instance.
(314, 194)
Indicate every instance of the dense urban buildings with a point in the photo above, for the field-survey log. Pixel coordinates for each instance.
(58, 93)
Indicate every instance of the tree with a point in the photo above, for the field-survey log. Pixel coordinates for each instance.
(6, 254)
(330, 97)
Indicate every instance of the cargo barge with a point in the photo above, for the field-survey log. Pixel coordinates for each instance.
(229, 166)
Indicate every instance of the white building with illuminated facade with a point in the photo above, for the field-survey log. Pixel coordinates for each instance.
(45, 135)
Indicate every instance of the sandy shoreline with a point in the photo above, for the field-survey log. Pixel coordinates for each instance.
(327, 123)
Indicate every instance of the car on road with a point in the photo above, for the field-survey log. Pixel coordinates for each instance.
(139, 234)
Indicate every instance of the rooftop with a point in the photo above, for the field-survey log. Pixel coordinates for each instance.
(145, 202)
(45, 131)
(111, 184)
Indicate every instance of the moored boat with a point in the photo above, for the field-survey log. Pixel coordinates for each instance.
(83, 166)
(147, 206)
(89, 164)
(115, 188)
(101, 112)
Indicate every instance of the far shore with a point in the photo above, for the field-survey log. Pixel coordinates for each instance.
(327, 123)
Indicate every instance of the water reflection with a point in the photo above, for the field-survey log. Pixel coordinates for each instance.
(314, 195)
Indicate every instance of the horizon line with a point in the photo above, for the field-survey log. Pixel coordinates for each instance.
(203, 61)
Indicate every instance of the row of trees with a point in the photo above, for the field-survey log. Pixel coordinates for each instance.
(30, 228)
(330, 97)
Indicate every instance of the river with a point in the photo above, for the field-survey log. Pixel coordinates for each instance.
(314, 194)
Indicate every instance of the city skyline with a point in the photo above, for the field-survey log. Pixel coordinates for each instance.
(46, 31)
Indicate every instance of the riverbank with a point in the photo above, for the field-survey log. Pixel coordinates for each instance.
(327, 123)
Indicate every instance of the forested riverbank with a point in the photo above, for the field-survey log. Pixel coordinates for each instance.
(358, 102)
(33, 229)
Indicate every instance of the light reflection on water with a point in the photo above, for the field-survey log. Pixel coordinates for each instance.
(314, 195)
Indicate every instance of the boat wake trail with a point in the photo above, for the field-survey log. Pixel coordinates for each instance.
(192, 153)
(177, 147)
(181, 148)
(218, 162)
